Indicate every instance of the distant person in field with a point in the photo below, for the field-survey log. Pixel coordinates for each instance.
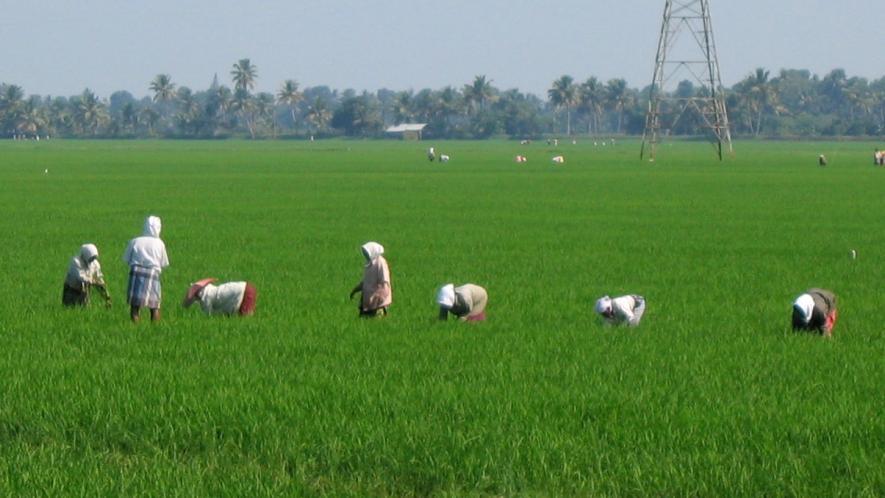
(467, 302)
(431, 154)
(146, 257)
(624, 310)
(375, 285)
(232, 298)
(815, 311)
(84, 274)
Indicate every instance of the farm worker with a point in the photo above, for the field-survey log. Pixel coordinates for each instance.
(815, 310)
(146, 257)
(232, 298)
(467, 302)
(375, 285)
(84, 273)
(621, 310)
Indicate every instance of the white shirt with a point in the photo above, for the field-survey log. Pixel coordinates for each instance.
(626, 310)
(147, 252)
(224, 298)
(80, 274)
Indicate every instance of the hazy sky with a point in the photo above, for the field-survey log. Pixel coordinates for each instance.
(60, 47)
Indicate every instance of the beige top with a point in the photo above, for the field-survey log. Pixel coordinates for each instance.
(376, 291)
(470, 300)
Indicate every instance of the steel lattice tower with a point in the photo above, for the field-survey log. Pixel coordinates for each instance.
(694, 60)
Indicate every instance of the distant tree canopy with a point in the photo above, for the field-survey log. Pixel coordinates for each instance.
(793, 103)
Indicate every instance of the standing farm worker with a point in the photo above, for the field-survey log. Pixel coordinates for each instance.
(375, 285)
(232, 298)
(621, 310)
(84, 273)
(146, 257)
(467, 302)
(815, 310)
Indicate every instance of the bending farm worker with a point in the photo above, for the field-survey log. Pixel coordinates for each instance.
(84, 274)
(815, 310)
(146, 257)
(467, 302)
(621, 310)
(232, 298)
(375, 285)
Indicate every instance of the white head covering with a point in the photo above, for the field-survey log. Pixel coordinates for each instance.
(804, 304)
(372, 250)
(152, 226)
(603, 304)
(446, 295)
(87, 252)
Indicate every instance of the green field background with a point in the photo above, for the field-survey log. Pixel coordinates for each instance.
(712, 395)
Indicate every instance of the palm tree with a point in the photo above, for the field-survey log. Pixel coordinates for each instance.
(264, 109)
(163, 88)
(477, 94)
(31, 119)
(290, 96)
(564, 94)
(244, 104)
(318, 114)
(244, 74)
(402, 107)
(618, 96)
(11, 102)
(591, 98)
(150, 118)
(89, 112)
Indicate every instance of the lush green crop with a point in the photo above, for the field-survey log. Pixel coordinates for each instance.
(711, 395)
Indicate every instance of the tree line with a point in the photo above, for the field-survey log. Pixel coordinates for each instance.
(793, 103)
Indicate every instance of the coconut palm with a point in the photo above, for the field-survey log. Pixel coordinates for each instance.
(11, 102)
(591, 99)
(244, 105)
(31, 118)
(289, 95)
(402, 107)
(476, 95)
(563, 94)
(89, 112)
(318, 114)
(619, 98)
(150, 118)
(163, 88)
(264, 110)
(244, 74)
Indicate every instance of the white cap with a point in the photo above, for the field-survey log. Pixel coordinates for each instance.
(603, 304)
(804, 304)
(446, 295)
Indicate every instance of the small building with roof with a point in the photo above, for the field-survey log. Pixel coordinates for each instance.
(408, 131)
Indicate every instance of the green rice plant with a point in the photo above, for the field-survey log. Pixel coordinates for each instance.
(711, 395)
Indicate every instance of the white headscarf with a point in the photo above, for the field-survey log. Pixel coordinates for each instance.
(804, 304)
(152, 226)
(603, 305)
(372, 250)
(446, 295)
(87, 252)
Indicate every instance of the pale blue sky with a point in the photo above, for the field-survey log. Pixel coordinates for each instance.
(59, 47)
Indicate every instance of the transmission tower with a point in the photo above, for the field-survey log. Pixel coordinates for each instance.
(686, 52)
